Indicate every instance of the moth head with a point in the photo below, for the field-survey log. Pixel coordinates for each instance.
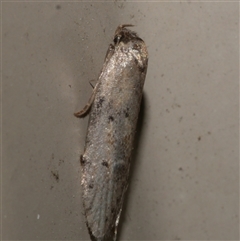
(122, 34)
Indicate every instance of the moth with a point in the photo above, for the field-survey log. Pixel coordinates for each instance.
(114, 107)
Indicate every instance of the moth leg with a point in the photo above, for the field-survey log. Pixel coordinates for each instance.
(109, 54)
(86, 108)
(91, 83)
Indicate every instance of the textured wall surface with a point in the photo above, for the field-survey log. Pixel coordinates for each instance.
(185, 171)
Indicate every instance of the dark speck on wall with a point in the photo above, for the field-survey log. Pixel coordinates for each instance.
(55, 175)
(199, 138)
(58, 7)
(60, 162)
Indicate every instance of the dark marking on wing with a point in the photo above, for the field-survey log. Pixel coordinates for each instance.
(126, 113)
(105, 163)
(82, 160)
(111, 118)
(99, 103)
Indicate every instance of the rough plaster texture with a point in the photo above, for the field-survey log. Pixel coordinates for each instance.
(185, 172)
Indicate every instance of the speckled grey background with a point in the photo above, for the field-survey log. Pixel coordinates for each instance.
(185, 172)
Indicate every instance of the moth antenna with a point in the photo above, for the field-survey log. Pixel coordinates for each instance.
(126, 25)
